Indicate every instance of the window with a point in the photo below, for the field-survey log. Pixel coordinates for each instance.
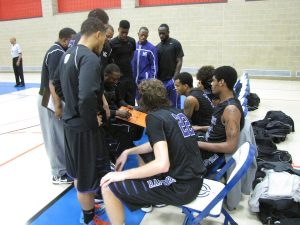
(174, 2)
(20, 9)
(85, 5)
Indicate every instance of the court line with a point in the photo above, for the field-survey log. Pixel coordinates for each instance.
(19, 129)
(23, 153)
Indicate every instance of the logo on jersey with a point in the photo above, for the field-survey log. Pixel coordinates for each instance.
(71, 43)
(67, 57)
(184, 125)
(144, 54)
(105, 54)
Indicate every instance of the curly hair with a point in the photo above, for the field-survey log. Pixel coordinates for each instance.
(205, 74)
(153, 95)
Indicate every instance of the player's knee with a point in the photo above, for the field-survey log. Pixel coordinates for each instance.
(105, 191)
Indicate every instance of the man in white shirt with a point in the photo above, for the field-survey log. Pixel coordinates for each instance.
(16, 54)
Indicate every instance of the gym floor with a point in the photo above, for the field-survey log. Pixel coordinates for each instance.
(25, 175)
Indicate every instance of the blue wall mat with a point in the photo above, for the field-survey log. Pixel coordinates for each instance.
(6, 87)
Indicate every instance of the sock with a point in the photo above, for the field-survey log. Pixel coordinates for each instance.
(88, 215)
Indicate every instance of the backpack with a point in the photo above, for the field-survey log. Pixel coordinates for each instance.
(253, 101)
(280, 116)
(272, 211)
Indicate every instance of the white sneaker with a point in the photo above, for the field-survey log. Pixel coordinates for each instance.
(160, 205)
(147, 209)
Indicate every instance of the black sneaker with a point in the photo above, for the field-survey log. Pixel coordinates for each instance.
(17, 85)
(21, 85)
(64, 179)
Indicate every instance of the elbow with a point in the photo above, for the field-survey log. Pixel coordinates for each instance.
(164, 167)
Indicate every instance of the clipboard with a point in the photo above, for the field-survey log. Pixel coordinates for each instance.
(47, 100)
(137, 117)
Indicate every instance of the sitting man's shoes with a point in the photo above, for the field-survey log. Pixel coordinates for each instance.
(149, 208)
(64, 179)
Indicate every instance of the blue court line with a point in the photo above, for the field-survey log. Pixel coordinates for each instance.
(8, 87)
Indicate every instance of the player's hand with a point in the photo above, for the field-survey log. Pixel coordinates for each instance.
(18, 63)
(111, 177)
(99, 118)
(123, 114)
(121, 161)
(58, 112)
(130, 107)
(107, 111)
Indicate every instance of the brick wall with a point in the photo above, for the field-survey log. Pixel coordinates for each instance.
(248, 35)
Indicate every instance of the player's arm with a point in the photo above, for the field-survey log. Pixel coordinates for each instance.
(190, 105)
(200, 128)
(231, 118)
(160, 164)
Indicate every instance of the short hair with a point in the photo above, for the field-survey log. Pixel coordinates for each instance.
(92, 25)
(66, 33)
(110, 69)
(205, 74)
(185, 78)
(100, 14)
(108, 26)
(124, 24)
(228, 74)
(153, 95)
(165, 26)
(143, 28)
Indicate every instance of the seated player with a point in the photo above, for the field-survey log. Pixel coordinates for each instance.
(227, 120)
(121, 131)
(197, 106)
(173, 177)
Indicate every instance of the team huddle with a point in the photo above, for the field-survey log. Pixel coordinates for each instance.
(89, 76)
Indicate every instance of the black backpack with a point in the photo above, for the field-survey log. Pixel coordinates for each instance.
(280, 116)
(272, 211)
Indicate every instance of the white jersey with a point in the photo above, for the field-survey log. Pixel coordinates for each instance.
(15, 50)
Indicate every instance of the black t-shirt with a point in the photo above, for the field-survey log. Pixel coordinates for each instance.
(81, 87)
(171, 125)
(167, 53)
(50, 65)
(202, 117)
(216, 132)
(122, 53)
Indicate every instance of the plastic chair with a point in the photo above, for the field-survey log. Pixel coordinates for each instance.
(210, 199)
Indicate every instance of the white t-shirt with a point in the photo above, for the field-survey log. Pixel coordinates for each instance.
(15, 50)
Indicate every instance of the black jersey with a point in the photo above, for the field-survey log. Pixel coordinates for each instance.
(216, 132)
(50, 65)
(172, 126)
(167, 53)
(202, 117)
(122, 53)
(81, 87)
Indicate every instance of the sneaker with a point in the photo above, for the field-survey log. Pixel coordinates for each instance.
(147, 209)
(99, 210)
(21, 85)
(160, 205)
(17, 85)
(64, 179)
(97, 221)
